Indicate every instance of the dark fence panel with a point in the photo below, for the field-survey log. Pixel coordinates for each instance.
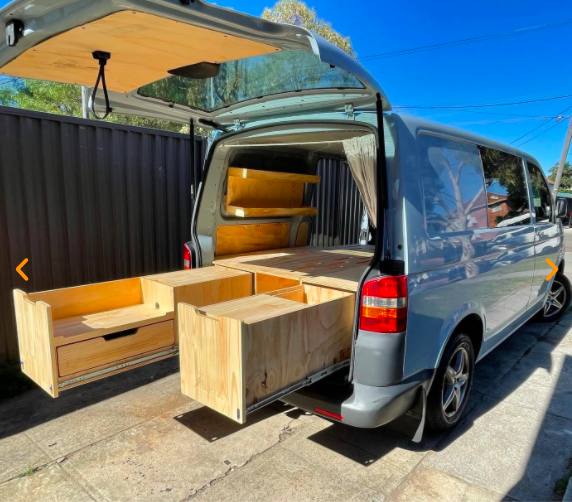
(86, 202)
(339, 204)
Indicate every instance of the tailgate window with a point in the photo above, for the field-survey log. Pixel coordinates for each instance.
(251, 78)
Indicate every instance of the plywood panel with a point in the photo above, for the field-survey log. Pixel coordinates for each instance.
(302, 235)
(259, 193)
(265, 283)
(72, 302)
(338, 268)
(77, 358)
(244, 173)
(236, 353)
(37, 353)
(76, 329)
(267, 212)
(143, 48)
(232, 239)
(282, 351)
(211, 357)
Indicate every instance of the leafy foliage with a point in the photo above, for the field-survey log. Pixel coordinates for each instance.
(566, 180)
(65, 99)
(298, 13)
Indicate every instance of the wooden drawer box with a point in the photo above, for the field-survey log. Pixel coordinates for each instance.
(81, 357)
(71, 336)
(239, 355)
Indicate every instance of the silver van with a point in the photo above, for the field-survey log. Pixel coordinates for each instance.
(459, 228)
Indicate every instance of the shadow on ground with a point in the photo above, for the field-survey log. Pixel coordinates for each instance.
(36, 407)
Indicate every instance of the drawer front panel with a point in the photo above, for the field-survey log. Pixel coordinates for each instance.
(231, 360)
(81, 357)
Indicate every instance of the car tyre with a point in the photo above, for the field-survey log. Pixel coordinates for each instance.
(558, 301)
(451, 387)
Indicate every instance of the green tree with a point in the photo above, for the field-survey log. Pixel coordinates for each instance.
(299, 14)
(566, 180)
(65, 99)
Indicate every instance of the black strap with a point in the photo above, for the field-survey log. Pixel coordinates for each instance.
(102, 57)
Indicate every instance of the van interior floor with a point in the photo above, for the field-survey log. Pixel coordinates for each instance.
(336, 267)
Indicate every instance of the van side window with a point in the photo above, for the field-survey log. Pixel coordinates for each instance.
(453, 186)
(507, 194)
(541, 197)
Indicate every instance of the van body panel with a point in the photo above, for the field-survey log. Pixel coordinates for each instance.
(549, 242)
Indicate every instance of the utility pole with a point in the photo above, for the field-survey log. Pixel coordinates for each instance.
(562, 160)
(84, 102)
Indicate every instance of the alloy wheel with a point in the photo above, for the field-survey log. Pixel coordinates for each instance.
(556, 299)
(455, 382)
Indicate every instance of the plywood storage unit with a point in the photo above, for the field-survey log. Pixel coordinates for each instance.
(239, 355)
(252, 193)
(72, 336)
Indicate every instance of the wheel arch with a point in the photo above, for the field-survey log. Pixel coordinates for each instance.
(473, 325)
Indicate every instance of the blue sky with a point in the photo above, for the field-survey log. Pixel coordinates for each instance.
(515, 68)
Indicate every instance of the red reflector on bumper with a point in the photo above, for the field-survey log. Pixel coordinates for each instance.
(328, 414)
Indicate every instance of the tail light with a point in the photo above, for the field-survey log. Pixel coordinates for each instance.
(384, 304)
(187, 258)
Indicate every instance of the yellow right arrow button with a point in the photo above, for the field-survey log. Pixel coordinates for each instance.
(554, 269)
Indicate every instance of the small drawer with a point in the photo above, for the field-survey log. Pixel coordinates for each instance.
(91, 354)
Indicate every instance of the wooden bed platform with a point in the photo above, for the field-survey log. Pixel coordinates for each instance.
(337, 267)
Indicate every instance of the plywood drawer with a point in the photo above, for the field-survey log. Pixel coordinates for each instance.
(237, 354)
(88, 355)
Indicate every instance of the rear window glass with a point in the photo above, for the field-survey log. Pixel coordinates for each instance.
(507, 194)
(252, 78)
(453, 186)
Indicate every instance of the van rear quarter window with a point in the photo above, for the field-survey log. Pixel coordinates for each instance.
(541, 197)
(453, 186)
(507, 194)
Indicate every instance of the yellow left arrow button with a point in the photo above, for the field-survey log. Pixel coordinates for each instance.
(19, 269)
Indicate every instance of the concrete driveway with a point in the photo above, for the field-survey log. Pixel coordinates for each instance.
(135, 437)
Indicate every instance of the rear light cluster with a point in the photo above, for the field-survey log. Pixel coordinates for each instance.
(384, 305)
(186, 258)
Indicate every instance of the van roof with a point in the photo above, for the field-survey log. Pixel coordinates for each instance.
(414, 124)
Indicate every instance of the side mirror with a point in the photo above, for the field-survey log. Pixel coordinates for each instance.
(561, 207)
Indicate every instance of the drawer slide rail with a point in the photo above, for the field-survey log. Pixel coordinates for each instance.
(100, 373)
(309, 380)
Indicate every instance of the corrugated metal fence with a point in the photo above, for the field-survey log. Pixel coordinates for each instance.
(90, 201)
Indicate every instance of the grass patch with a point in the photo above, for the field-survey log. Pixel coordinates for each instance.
(29, 472)
(14, 382)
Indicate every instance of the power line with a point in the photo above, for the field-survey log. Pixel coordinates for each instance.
(454, 43)
(486, 105)
(540, 134)
(541, 125)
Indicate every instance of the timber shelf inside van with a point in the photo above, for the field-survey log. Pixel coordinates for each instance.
(255, 193)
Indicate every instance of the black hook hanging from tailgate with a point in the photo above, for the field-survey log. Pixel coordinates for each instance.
(102, 57)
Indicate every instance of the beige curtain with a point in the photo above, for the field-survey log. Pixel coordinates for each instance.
(360, 152)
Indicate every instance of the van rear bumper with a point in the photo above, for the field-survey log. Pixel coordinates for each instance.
(362, 405)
